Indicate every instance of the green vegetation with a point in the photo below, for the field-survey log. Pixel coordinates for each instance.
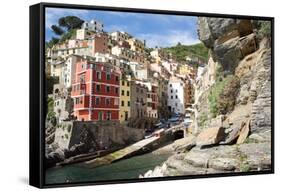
(57, 30)
(50, 114)
(50, 104)
(244, 167)
(70, 22)
(264, 28)
(181, 51)
(202, 119)
(52, 42)
(69, 128)
(50, 82)
(66, 29)
(249, 140)
(223, 93)
(69, 35)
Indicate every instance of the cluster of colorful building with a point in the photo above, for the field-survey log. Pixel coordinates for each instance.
(112, 76)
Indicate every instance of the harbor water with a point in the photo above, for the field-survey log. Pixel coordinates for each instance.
(129, 168)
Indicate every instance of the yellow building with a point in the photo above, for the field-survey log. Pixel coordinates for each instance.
(184, 69)
(125, 98)
(136, 45)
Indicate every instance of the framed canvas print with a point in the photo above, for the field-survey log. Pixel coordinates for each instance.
(127, 95)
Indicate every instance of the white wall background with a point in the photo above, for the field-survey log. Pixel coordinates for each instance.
(14, 94)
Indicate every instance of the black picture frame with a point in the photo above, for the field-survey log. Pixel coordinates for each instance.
(37, 100)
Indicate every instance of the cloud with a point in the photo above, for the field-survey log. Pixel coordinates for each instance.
(172, 37)
(53, 14)
(125, 14)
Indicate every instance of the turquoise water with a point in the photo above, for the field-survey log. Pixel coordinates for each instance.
(124, 169)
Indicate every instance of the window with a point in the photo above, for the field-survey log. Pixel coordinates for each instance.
(171, 91)
(123, 92)
(77, 100)
(122, 103)
(107, 101)
(170, 85)
(116, 90)
(171, 97)
(176, 96)
(128, 84)
(97, 101)
(108, 115)
(116, 101)
(108, 76)
(82, 78)
(98, 75)
(98, 88)
(128, 103)
(83, 66)
(128, 93)
(107, 89)
(117, 78)
(100, 115)
(123, 83)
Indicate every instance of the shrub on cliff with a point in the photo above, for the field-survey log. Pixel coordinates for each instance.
(222, 95)
(227, 97)
(263, 28)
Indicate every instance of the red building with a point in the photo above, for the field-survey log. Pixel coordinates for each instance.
(98, 43)
(95, 91)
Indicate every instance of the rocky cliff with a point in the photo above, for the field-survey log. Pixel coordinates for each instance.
(232, 128)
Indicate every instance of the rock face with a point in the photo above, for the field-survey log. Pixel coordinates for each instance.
(241, 140)
(76, 138)
(261, 111)
(244, 133)
(220, 159)
(234, 45)
(229, 39)
(210, 136)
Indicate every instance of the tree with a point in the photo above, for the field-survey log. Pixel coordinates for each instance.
(68, 35)
(62, 22)
(66, 29)
(70, 22)
(57, 30)
(52, 42)
(50, 81)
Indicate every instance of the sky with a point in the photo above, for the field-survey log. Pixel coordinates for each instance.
(157, 29)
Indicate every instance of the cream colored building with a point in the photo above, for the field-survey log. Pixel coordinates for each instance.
(57, 69)
(120, 35)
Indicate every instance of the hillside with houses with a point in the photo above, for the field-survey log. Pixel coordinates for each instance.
(114, 78)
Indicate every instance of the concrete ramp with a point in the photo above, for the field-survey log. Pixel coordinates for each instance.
(123, 153)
